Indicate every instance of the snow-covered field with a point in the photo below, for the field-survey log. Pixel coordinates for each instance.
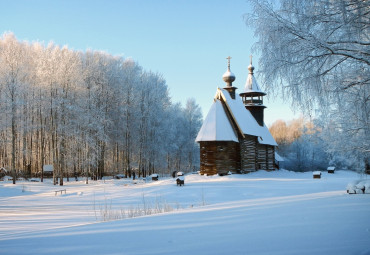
(260, 213)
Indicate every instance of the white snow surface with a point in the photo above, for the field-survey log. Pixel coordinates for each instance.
(277, 212)
(216, 126)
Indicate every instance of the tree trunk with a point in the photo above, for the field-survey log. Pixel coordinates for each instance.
(14, 136)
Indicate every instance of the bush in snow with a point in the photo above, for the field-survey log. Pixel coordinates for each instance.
(359, 187)
(351, 187)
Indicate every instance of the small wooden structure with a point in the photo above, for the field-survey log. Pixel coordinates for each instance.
(3, 172)
(317, 175)
(331, 169)
(154, 177)
(48, 170)
(180, 180)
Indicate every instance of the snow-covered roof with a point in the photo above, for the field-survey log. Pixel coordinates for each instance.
(278, 157)
(48, 168)
(266, 137)
(331, 168)
(216, 126)
(251, 85)
(244, 120)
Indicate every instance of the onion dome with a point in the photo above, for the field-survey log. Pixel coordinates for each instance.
(251, 68)
(228, 76)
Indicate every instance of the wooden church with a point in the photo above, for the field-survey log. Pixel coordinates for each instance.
(233, 137)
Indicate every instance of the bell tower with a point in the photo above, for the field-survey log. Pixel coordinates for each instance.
(229, 77)
(252, 96)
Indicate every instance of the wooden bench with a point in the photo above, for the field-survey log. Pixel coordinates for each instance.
(61, 191)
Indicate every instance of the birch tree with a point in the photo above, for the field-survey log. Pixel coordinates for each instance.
(193, 119)
(87, 113)
(13, 65)
(317, 53)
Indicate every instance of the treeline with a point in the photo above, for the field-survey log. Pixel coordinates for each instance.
(311, 145)
(300, 144)
(89, 113)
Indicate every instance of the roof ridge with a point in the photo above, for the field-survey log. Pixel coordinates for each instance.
(230, 112)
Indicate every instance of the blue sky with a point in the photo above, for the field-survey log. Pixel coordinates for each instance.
(187, 41)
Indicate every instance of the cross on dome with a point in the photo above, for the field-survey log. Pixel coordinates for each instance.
(228, 76)
(228, 62)
(251, 67)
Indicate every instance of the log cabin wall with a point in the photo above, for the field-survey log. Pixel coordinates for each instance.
(261, 157)
(219, 157)
(265, 157)
(248, 154)
(270, 157)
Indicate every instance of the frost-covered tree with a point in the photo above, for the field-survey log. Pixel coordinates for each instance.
(88, 113)
(301, 144)
(193, 121)
(13, 75)
(317, 53)
(99, 75)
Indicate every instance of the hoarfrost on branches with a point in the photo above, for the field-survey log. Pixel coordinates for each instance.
(88, 113)
(317, 53)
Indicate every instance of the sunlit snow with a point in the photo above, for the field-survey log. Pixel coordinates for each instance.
(277, 212)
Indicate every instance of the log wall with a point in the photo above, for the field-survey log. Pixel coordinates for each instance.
(270, 157)
(248, 154)
(265, 157)
(261, 157)
(219, 157)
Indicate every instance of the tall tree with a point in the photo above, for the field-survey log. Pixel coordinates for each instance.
(317, 52)
(194, 118)
(13, 73)
(88, 113)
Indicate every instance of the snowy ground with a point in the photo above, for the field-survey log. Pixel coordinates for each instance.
(260, 213)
